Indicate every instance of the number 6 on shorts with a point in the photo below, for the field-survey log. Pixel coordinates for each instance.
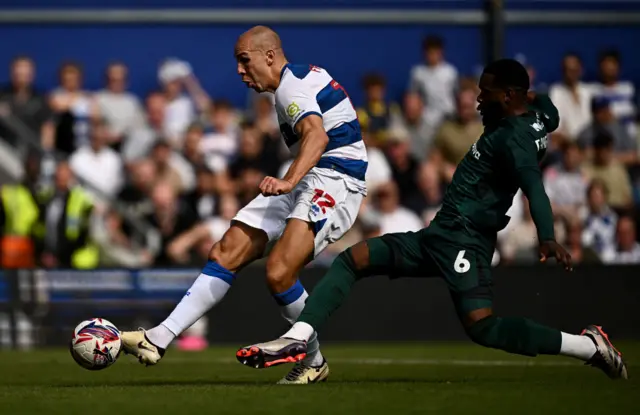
(462, 264)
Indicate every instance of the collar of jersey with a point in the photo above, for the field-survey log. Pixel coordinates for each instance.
(284, 68)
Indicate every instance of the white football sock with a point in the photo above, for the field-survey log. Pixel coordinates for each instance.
(580, 347)
(300, 331)
(205, 293)
(292, 311)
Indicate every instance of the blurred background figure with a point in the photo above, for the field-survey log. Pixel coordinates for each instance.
(607, 168)
(21, 99)
(572, 97)
(68, 242)
(73, 108)
(97, 164)
(120, 108)
(566, 183)
(598, 218)
(604, 122)
(393, 216)
(435, 80)
(456, 135)
(626, 250)
(621, 93)
(375, 114)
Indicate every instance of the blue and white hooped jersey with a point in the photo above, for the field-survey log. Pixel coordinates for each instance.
(305, 90)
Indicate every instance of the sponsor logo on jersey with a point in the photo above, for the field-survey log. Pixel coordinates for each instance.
(293, 109)
(542, 143)
(474, 151)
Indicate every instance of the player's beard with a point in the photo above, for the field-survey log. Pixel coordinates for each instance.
(492, 113)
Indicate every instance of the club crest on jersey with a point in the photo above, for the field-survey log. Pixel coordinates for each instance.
(293, 109)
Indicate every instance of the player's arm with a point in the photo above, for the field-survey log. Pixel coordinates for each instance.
(521, 154)
(313, 141)
(305, 119)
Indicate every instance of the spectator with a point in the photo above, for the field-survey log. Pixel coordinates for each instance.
(194, 245)
(378, 170)
(221, 144)
(393, 217)
(579, 254)
(171, 216)
(252, 154)
(436, 81)
(520, 243)
(179, 110)
(457, 135)
(121, 109)
(166, 171)
(116, 248)
(606, 168)
(427, 199)
(247, 185)
(67, 242)
(414, 122)
(624, 146)
(599, 220)
(627, 249)
(137, 193)
(566, 183)
(572, 97)
(620, 93)
(21, 100)
(404, 166)
(203, 199)
(264, 116)
(375, 115)
(97, 164)
(141, 141)
(192, 149)
(74, 108)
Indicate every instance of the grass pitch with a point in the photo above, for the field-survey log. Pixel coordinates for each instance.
(365, 379)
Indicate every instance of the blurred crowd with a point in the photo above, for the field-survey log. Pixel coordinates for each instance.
(185, 162)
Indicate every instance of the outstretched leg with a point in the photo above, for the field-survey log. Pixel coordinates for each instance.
(392, 254)
(525, 337)
(240, 245)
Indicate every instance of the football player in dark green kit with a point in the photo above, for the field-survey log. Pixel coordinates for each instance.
(459, 243)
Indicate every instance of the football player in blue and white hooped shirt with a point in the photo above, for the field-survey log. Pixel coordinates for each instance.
(313, 205)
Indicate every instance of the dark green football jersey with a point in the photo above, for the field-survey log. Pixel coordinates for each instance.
(505, 158)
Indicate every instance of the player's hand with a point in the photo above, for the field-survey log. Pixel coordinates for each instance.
(271, 186)
(550, 249)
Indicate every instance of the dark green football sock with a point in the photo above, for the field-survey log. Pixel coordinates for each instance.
(516, 335)
(336, 284)
(330, 292)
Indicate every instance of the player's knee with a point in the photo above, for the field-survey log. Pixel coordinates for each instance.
(236, 248)
(219, 253)
(357, 256)
(280, 276)
(355, 260)
(482, 331)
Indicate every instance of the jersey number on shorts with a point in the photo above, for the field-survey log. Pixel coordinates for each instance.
(323, 200)
(462, 264)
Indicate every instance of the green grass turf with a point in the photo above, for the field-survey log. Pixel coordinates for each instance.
(365, 379)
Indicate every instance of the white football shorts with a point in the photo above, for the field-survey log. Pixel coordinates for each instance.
(325, 198)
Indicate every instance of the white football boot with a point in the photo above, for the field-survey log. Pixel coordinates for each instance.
(302, 374)
(137, 344)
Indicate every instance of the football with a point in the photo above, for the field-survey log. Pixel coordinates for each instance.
(95, 344)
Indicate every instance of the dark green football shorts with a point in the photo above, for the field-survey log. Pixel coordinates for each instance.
(435, 252)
